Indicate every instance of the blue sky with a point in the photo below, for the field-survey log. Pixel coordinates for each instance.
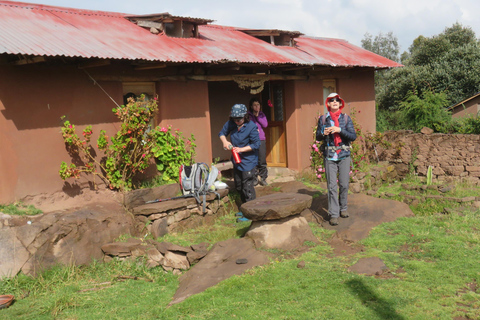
(345, 19)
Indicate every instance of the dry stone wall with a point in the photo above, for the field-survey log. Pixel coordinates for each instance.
(168, 215)
(452, 156)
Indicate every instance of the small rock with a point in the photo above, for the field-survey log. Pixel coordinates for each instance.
(241, 261)
(177, 272)
(448, 211)
(415, 202)
(301, 265)
(369, 266)
(445, 189)
(426, 130)
(151, 264)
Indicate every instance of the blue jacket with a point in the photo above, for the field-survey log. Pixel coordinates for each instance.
(246, 136)
(347, 134)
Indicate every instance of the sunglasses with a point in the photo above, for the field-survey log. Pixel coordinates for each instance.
(237, 119)
(334, 99)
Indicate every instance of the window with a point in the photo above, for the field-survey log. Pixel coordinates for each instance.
(275, 37)
(135, 89)
(329, 86)
(173, 26)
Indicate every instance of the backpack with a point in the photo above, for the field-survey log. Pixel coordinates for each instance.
(196, 180)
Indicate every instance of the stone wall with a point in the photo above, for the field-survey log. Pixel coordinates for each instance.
(452, 156)
(161, 210)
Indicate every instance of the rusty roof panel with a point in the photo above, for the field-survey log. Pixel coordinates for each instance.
(30, 29)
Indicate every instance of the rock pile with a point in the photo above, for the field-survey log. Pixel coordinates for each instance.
(170, 257)
(35, 243)
(277, 222)
(32, 244)
(170, 215)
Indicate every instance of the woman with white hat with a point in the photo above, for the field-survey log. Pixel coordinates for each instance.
(336, 130)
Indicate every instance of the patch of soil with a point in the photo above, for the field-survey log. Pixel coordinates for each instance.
(63, 202)
(344, 248)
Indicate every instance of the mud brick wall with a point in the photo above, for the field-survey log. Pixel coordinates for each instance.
(450, 155)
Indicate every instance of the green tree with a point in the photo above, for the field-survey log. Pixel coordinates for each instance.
(446, 63)
(425, 110)
(385, 45)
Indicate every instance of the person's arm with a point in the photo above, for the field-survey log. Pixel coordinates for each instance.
(262, 119)
(223, 135)
(254, 141)
(319, 134)
(348, 131)
(225, 142)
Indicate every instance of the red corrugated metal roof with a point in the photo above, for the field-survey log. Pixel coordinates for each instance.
(30, 29)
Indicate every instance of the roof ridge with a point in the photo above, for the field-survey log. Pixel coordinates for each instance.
(35, 6)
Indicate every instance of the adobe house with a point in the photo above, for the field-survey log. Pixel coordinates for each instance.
(57, 61)
(469, 106)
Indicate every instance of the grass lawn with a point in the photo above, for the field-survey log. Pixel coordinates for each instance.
(433, 261)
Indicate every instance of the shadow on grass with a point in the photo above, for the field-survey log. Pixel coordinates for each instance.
(371, 300)
(241, 232)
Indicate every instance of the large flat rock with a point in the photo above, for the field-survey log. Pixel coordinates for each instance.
(219, 264)
(276, 206)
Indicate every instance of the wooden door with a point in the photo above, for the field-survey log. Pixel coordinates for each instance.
(275, 132)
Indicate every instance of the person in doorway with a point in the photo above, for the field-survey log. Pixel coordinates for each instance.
(245, 141)
(336, 130)
(258, 117)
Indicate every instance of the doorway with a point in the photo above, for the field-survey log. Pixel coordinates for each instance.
(273, 105)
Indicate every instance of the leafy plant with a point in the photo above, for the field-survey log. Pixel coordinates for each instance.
(429, 176)
(427, 110)
(171, 151)
(126, 154)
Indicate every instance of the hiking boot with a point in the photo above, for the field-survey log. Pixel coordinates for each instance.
(263, 182)
(242, 219)
(344, 214)
(333, 221)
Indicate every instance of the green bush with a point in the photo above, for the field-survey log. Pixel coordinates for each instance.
(126, 154)
(469, 124)
(428, 110)
(171, 151)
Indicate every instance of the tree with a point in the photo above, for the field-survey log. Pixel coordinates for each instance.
(445, 63)
(427, 110)
(385, 45)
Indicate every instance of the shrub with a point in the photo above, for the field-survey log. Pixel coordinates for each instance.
(427, 110)
(126, 154)
(171, 151)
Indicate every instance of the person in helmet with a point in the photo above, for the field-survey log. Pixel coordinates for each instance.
(336, 130)
(246, 142)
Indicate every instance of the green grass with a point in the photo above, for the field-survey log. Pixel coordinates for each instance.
(433, 274)
(20, 209)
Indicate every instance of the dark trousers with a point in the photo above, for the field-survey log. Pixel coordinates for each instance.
(244, 184)
(262, 170)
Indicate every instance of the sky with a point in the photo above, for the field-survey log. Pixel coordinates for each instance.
(345, 19)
